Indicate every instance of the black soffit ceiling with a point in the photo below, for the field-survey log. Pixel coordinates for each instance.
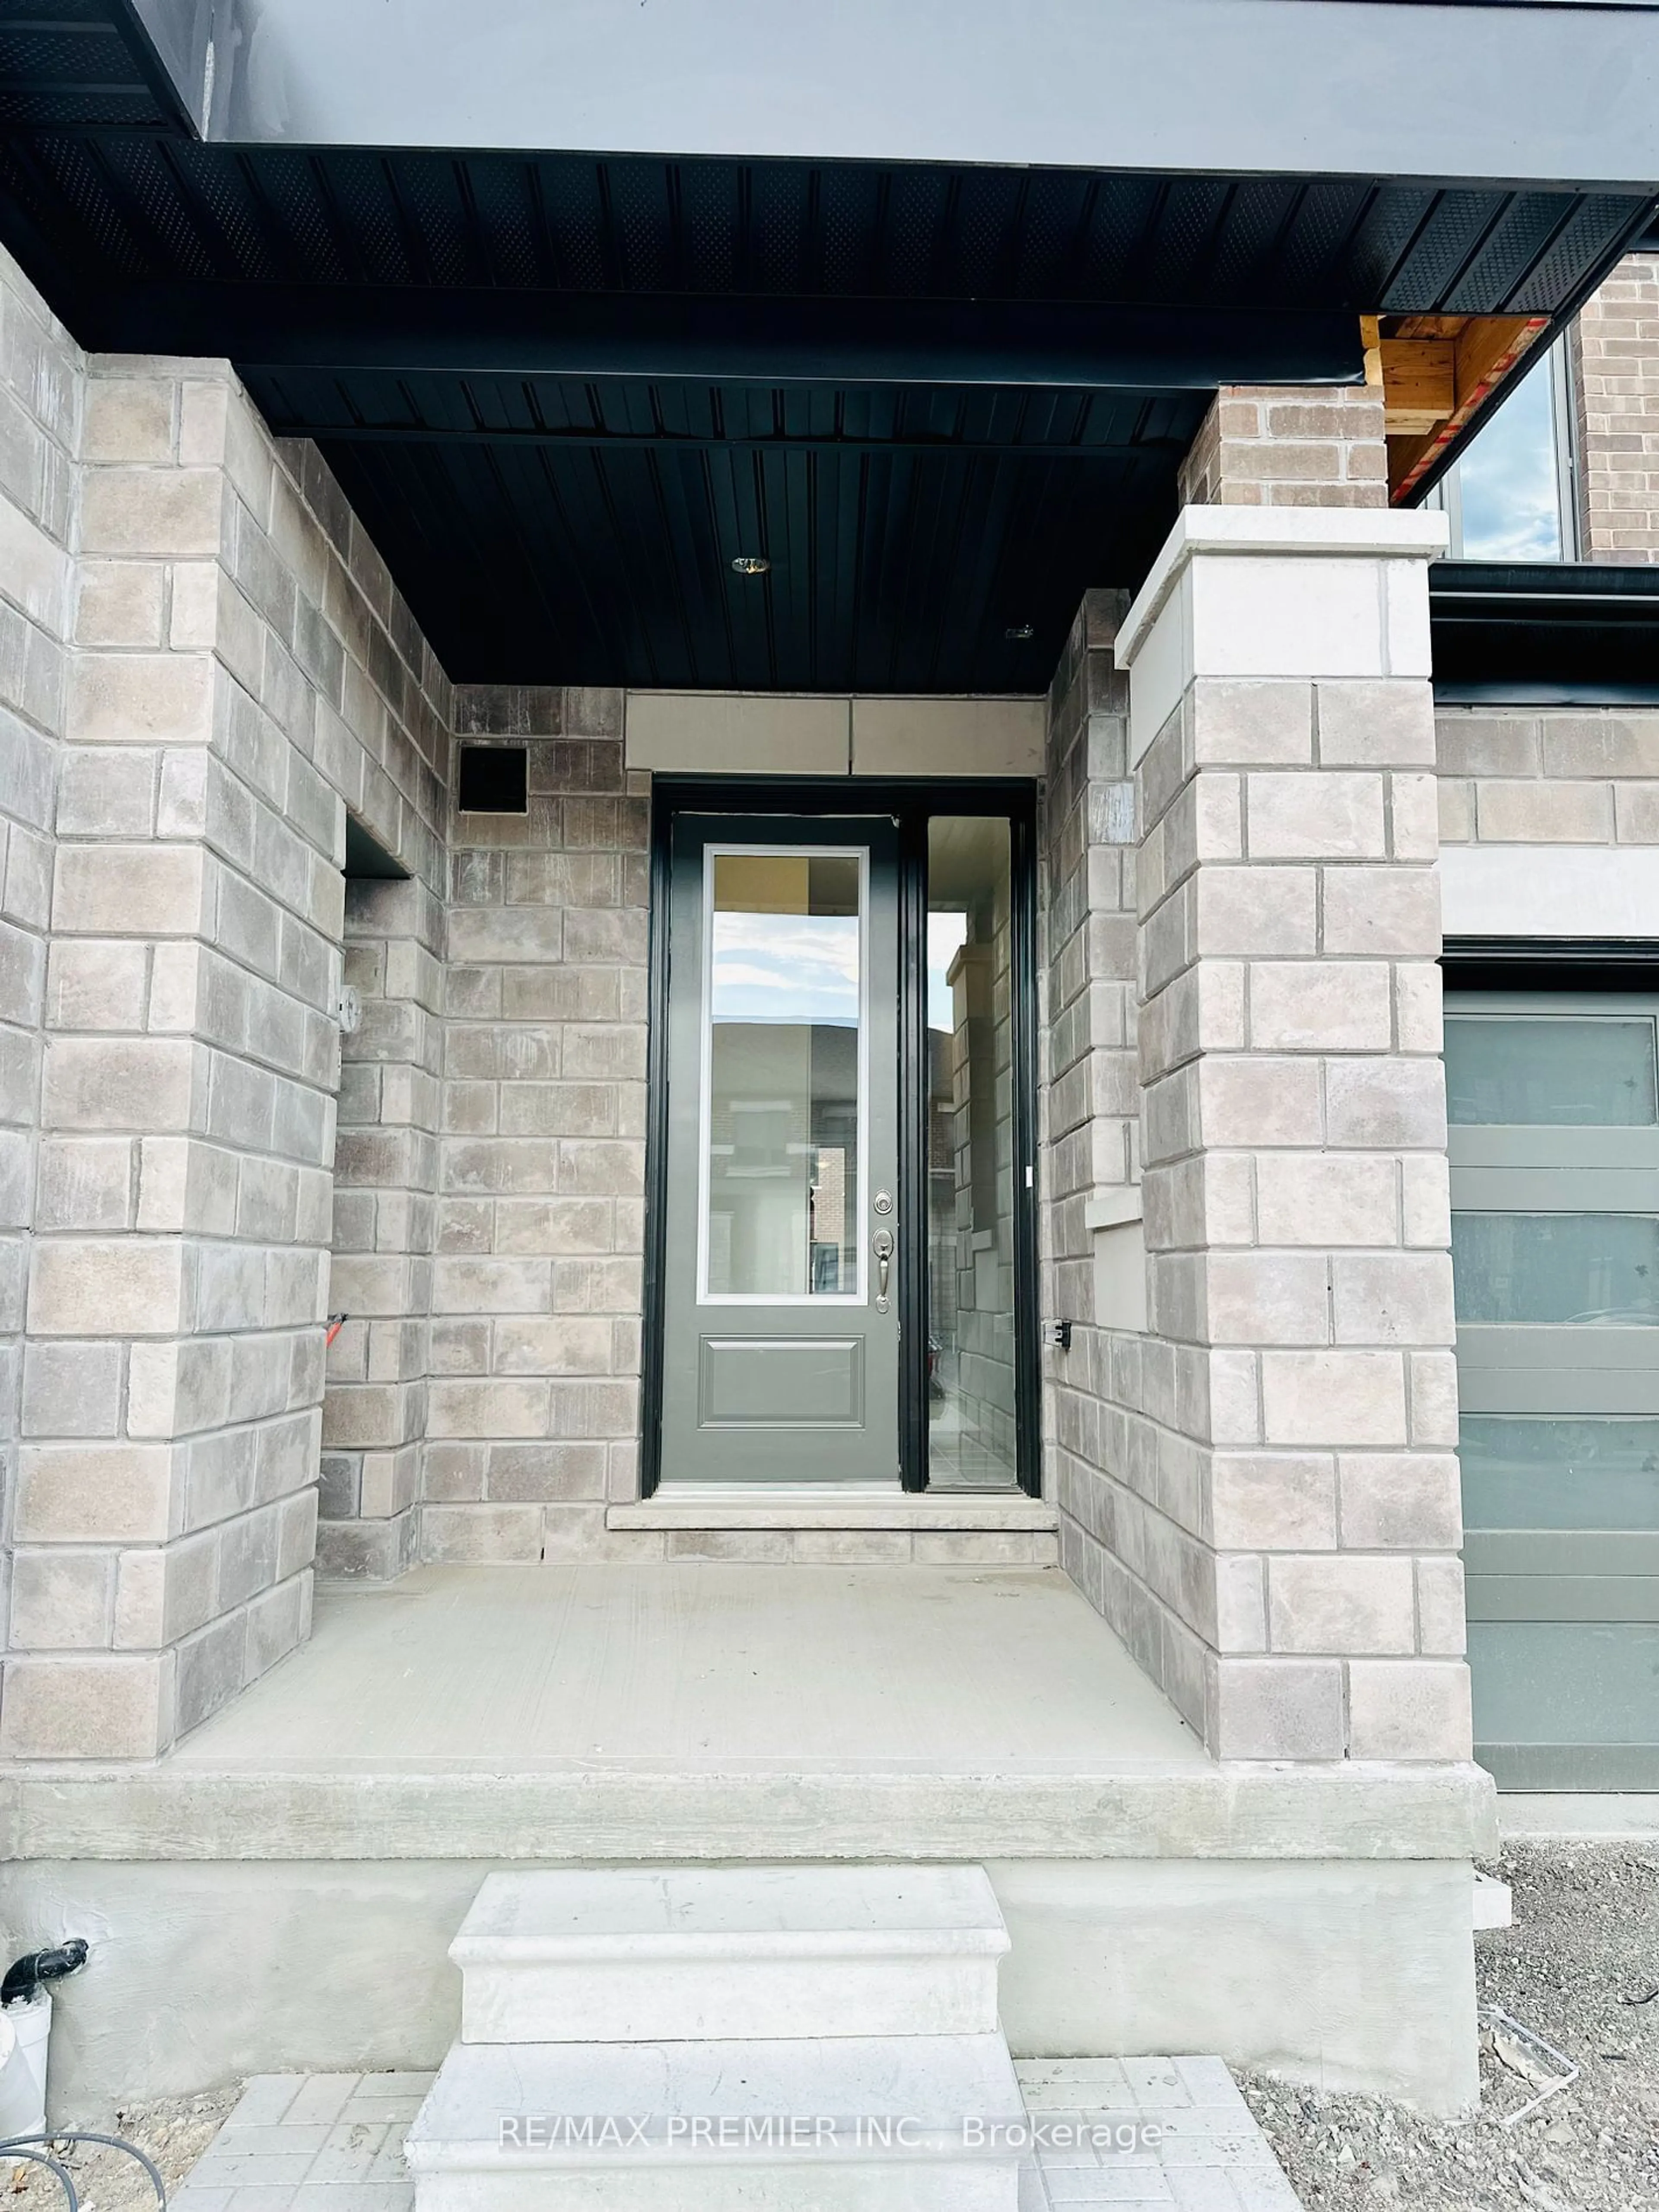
(563, 392)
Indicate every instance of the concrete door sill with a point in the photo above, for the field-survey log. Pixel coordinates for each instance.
(725, 1506)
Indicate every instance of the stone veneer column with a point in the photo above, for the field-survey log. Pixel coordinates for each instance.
(1298, 1380)
(243, 673)
(42, 379)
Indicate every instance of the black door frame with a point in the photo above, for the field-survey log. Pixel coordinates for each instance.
(908, 801)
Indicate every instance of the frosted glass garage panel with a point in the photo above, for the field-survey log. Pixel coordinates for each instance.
(1550, 1270)
(1564, 1682)
(1582, 1472)
(1543, 1071)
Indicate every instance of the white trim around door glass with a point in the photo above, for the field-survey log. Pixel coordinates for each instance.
(858, 1296)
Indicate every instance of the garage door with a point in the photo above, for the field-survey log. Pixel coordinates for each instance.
(1553, 1100)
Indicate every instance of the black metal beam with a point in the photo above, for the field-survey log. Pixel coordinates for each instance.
(1063, 345)
(1540, 634)
(623, 442)
(1565, 583)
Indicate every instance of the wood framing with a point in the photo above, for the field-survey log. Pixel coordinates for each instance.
(1436, 372)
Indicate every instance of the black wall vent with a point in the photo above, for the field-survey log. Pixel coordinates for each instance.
(495, 779)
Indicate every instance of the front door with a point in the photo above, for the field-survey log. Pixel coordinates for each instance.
(780, 1312)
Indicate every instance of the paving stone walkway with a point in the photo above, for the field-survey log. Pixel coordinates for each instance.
(1178, 2134)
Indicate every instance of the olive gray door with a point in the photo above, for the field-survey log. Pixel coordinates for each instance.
(780, 1332)
(1553, 1101)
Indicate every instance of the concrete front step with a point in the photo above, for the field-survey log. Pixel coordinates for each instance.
(742, 1954)
(852, 2124)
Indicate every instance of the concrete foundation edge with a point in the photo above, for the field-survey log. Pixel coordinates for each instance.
(1348, 1974)
(1341, 1811)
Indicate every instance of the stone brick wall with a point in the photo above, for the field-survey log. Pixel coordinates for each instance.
(532, 1412)
(1289, 445)
(1614, 361)
(1111, 1538)
(385, 1163)
(41, 378)
(1548, 775)
(242, 673)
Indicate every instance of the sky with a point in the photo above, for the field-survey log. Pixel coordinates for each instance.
(787, 968)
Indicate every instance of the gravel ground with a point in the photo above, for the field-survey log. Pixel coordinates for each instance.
(174, 2131)
(1585, 1945)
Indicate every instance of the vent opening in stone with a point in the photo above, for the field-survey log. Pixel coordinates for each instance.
(494, 780)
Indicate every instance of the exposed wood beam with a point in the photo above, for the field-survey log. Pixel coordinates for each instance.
(1419, 384)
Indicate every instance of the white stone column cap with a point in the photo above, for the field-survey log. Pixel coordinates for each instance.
(1319, 533)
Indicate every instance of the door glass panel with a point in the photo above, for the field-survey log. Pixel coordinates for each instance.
(1512, 1070)
(1577, 1472)
(783, 1114)
(971, 1439)
(1555, 1269)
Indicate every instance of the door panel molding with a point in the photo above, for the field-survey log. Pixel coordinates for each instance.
(811, 1382)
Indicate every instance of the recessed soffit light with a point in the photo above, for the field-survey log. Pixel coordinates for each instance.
(752, 565)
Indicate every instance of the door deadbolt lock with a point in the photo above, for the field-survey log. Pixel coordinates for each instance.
(882, 1202)
(882, 1245)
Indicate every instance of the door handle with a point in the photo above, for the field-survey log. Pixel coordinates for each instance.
(882, 1245)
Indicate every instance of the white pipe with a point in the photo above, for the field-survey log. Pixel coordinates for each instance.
(28, 2028)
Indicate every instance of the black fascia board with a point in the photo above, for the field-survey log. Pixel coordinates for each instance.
(1535, 94)
(1550, 963)
(731, 339)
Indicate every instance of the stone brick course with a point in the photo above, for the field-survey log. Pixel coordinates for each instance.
(1548, 775)
(1289, 445)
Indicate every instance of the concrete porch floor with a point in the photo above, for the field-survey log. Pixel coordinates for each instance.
(704, 1667)
(709, 1710)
